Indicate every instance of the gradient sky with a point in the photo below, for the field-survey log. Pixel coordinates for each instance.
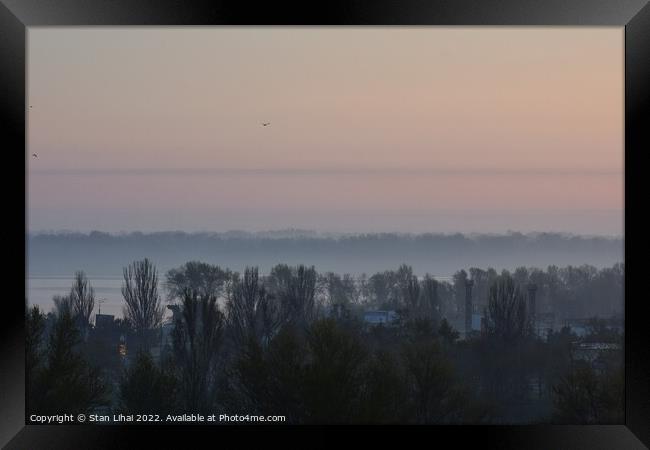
(481, 129)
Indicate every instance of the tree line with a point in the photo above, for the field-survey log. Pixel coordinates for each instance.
(294, 342)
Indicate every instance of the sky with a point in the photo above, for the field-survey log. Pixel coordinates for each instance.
(408, 129)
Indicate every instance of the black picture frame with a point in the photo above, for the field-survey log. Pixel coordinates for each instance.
(634, 15)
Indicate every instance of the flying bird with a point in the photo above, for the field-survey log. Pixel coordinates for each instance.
(264, 124)
(34, 155)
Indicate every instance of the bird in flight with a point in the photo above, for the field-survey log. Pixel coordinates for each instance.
(265, 124)
(34, 155)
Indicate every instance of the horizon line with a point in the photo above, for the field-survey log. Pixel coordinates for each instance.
(326, 234)
(487, 171)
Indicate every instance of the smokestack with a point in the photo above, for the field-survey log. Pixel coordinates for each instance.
(468, 306)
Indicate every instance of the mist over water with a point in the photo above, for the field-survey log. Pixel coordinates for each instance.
(54, 257)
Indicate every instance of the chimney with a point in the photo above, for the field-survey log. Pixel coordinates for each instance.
(468, 306)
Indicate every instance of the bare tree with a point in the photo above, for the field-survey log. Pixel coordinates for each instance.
(412, 296)
(403, 287)
(62, 305)
(380, 289)
(430, 301)
(459, 280)
(297, 296)
(252, 312)
(82, 300)
(206, 279)
(143, 309)
(507, 317)
(340, 290)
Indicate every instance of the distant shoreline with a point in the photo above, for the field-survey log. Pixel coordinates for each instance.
(312, 234)
(53, 255)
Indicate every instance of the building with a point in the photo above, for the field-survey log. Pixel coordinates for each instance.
(578, 326)
(105, 331)
(478, 322)
(380, 317)
(104, 321)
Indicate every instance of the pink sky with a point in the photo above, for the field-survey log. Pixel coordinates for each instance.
(372, 129)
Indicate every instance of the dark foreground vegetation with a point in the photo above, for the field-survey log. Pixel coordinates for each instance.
(531, 346)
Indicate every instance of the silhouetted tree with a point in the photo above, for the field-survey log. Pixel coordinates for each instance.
(459, 280)
(82, 300)
(296, 292)
(270, 380)
(363, 289)
(143, 309)
(279, 278)
(333, 374)
(412, 296)
(380, 286)
(62, 305)
(447, 332)
(145, 388)
(251, 312)
(34, 349)
(197, 336)
(404, 287)
(205, 279)
(340, 290)
(383, 391)
(584, 397)
(66, 382)
(433, 393)
(420, 329)
(483, 279)
(506, 316)
(430, 299)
